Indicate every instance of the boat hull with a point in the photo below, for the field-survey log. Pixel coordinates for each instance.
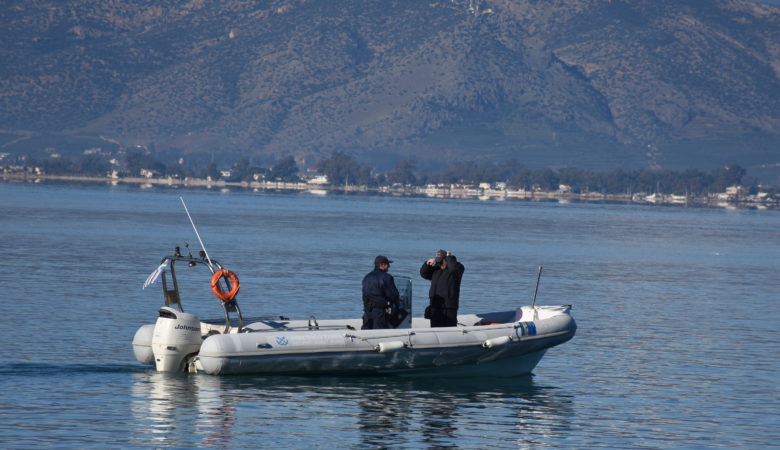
(409, 363)
(499, 350)
(508, 343)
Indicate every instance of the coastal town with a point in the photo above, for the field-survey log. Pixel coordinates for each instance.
(316, 183)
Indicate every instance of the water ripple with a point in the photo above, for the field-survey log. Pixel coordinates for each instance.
(675, 346)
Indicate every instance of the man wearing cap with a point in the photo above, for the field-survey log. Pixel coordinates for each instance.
(379, 293)
(445, 273)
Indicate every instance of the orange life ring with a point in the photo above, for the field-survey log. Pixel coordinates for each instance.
(217, 289)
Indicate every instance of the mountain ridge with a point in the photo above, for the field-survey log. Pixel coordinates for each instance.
(640, 83)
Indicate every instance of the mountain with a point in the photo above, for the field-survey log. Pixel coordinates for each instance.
(592, 84)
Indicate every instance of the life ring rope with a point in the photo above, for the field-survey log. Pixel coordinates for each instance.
(232, 281)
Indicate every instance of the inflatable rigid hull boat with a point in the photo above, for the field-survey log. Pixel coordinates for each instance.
(495, 344)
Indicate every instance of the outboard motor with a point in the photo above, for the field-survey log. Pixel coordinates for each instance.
(176, 336)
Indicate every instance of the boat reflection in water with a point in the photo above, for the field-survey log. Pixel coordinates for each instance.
(181, 410)
(191, 410)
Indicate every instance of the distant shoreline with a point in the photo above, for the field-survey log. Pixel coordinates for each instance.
(450, 192)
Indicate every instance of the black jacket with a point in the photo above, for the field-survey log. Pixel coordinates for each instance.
(379, 289)
(445, 284)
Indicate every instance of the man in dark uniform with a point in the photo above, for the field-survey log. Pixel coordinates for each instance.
(379, 294)
(445, 273)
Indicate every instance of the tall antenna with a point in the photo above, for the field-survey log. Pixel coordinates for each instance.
(533, 304)
(196, 232)
(538, 275)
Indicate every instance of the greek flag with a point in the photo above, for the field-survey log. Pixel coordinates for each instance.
(156, 274)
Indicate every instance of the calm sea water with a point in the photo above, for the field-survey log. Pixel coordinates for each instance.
(677, 311)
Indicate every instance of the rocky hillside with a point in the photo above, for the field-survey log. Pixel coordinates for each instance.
(594, 84)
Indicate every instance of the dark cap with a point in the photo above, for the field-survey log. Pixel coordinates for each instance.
(440, 255)
(381, 259)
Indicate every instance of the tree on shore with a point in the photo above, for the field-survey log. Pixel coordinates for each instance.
(285, 169)
(210, 171)
(341, 169)
(403, 173)
(728, 176)
(137, 161)
(243, 170)
(545, 179)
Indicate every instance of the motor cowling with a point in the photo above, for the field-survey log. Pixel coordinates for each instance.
(177, 335)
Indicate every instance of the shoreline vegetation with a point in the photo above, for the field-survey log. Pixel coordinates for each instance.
(724, 187)
(734, 196)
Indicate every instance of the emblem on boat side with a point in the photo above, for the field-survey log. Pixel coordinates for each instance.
(527, 329)
(281, 340)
